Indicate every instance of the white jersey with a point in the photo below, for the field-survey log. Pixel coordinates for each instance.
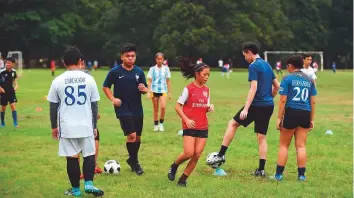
(74, 91)
(2, 65)
(310, 72)
(221, 63)
(158, 78)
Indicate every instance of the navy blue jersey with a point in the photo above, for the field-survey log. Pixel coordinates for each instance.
(7, 79)
(126, 89)
(262, 72)
(298, 88)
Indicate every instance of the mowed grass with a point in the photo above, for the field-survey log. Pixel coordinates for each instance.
(30, 167)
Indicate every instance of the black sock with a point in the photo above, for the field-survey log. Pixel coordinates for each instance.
(131, 147)
(156, 122)
(161, 121)
(222, 151)
(261, 164)
(183, 177)
(280, 170)
(301, 171)
(73, 170)
(89, 167)
(137, 150)
(138, 146)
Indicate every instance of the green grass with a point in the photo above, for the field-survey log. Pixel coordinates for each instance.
(30, 167)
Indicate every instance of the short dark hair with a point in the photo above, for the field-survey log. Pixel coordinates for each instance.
(304, 55)
(188, 70)
(128, 47)
(11, 59)
(295, 60)
(72, 55)
(250, 46)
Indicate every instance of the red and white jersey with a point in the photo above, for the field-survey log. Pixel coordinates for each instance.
(195, 101)
(227, 66)
(278, 65)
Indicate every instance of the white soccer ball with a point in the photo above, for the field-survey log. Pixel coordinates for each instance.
(212, 163)
(112, 167)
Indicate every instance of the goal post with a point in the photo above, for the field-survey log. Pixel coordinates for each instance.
(17, 55)
(320, 53)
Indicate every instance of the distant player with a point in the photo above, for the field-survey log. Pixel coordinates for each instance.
(52, 67)
(165, 62)
(258, 108)
(220, 63)
(296, 115)
(8, 88)
(192, 106)
(199, 61)
(2, 65)
(73, 98)
(307, 69)
(159, 85)
(95, 64)
(315, 66)
(89, 65)
(278, 68)
(226, 70)
(129, 83)
(334, 67)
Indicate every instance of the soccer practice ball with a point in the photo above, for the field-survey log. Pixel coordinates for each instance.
(211, 162)
(112, 167)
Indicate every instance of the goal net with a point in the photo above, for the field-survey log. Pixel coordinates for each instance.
(272, 57)
(17, 55)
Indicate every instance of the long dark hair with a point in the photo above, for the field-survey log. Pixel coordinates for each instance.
(188, 69)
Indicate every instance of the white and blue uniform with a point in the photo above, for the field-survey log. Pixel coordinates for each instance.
(159, 76)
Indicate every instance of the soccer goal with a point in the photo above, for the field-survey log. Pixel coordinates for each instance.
(273, 56)
(17, 55)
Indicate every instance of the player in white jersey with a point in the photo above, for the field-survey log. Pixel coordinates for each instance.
(159, 85)
(221, 63)
(73, 100)
(308, 70)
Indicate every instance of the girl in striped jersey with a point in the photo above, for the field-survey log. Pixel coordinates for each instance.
(159, 86)
(192, 106)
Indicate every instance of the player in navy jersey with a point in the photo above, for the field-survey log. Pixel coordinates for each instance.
(258, 108)
(296, 114)
(129, 83)
(8, 87)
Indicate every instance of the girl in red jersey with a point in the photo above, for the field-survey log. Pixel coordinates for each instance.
(192, 106)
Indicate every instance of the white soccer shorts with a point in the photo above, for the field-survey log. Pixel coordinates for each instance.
(72, 146)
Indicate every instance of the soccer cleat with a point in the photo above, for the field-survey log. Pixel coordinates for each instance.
(218, 160)
(156, 128)
(301, 178)
(259, 173)
(182, 183)
(138, 170)
(98, 170)
(16, 126)
(278, 177)
(70, 192)
(171, 173)
(161, 127)
(90, 189)
(131, 164)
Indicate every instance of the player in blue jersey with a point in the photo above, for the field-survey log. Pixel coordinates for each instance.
(296, 114)
(258, 108)
(129, 83)
(159, 84)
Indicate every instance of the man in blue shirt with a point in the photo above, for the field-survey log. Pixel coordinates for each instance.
(259, 105)
(129, 83)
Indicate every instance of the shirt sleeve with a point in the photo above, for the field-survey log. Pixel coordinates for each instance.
(252, 73)
(283, 87)
(149, 73)
(53, 93)
(209, 98)
(314, 77)
(108, 82)
(183, 98)
(168, 73)
(95, 95)
(143, 79)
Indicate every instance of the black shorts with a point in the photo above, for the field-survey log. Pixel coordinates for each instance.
(195, 133)
(98, 135)
(260, 115)
(8, 98)
(296, 117)
(157, 95)
(131, 125)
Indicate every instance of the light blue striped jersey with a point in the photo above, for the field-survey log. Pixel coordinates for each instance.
(158, 78)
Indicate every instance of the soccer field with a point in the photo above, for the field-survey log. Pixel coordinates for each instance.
(30, 167)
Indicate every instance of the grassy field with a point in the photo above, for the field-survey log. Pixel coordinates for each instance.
(30, 167)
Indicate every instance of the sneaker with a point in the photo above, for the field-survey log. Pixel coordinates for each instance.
(131, 164)
(2, 125)
(70, 192)
(259, 173)
(301, 178)
(161, 127)
(90, 189)
(98, 170)
(82, 176)
(278, 177)
(182, 183)
(156, 128)
(171, 173)
(16, 126)
(138, 170)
